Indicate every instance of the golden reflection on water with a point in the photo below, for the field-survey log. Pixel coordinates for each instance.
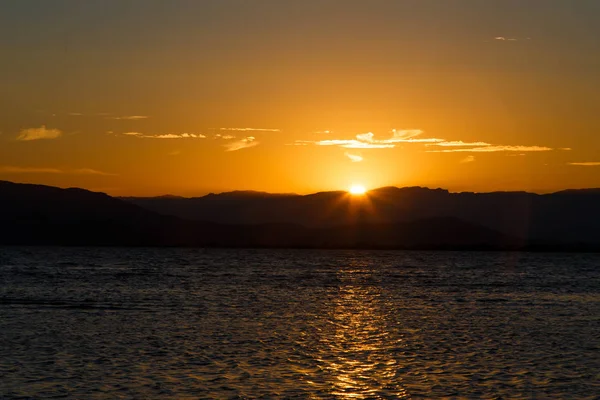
(356, 350)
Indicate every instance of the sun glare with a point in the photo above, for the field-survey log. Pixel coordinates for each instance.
(357, 189)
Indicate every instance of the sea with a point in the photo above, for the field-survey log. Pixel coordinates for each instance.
(145, 323)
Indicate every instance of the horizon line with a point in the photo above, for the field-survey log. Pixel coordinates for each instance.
(293, 194)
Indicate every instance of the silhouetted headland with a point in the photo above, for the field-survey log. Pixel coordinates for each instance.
(385, 218)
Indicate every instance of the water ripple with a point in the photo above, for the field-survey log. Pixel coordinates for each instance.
(245, 324)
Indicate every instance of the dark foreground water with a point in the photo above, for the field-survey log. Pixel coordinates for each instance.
(182, 323)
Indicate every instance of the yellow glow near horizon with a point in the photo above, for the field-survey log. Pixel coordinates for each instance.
(357, 190)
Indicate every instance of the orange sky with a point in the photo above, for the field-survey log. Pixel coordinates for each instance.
(188, 97)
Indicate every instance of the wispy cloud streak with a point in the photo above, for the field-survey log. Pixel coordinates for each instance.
(250, 129)
(368, 140)
(348, 144)
(245, 143)
(38, 134)
(586, 164)
(468, 159)
(166, 135)
(110, 116)
(494, 149)
(88, 171)
(353, 157)
(129, 117)
(460, 143)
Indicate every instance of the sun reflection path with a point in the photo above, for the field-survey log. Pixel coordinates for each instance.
(354, 349)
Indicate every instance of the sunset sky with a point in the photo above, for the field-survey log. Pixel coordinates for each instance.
(149, 97)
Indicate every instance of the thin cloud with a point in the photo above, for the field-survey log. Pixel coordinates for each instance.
(110, 116)
(178, 136)
(38, 134)
(346, 143)
(368, 141)
(424, 140)
(322, 132)
(460, 143)
(494, 149)
(398, 136)
(362, 145)
(586, 164)
(129, 117)
(166, 135)
(37, 170)
(405, 134)
(245, 143)
(366, 137)
(511, 39)
(88, 171)
(468, 159)
(353, 157)
(250, 129)
(174, 153)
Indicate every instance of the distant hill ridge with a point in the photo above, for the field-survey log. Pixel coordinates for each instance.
(383, 189)
(390, 218)
(565, 216)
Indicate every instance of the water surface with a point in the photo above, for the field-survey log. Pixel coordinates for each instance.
(101, 323)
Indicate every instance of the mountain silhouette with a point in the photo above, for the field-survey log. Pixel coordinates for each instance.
(408, 218)
(571, 216)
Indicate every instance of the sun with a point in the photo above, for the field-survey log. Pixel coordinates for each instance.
(357, 190)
